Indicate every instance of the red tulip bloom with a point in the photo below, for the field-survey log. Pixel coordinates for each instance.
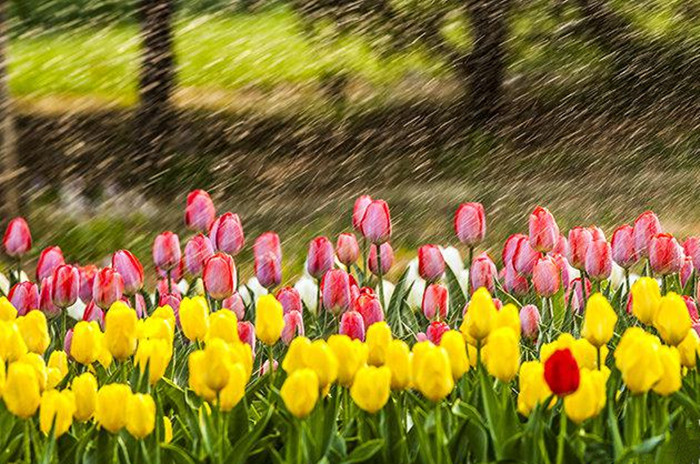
(200, 211)
(347, 249)
(24, 296)
(692, 308)
(290, 299)
(94, 313)
(530, 321)
(546, 277)
(562, 246)
(320, 258)
(49, 260)
(579, 239)
(220, 278)
(335, 289)
(525, 257)
(65, 286)
(544, 231)
(269, 242)
(686, 270)
(596, 233)
(434, 303)
(18, 239)
(173, 300)
(563, 266)
(470, 223)
(483, 273)
(268, 270)
(646, 226)
(561, 372)
(574, 294)
(599, 260)
(246, 332)
(87, 280)
(46, 304)
(387, 254)
(166, 251)
(293, 327)
(358, 211)
(514, 282)
(235, 304)
(435, 331)
(129, 267)
(665, 254)
(691, 248)
(510, 248)
(197, 251)
(622, 244)
(368, 305)
(353, 325)
(376, 222)
(431, 264)
(226, 234)
(108, 287)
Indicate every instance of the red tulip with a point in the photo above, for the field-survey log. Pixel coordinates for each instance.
(665, 254)
(49, 260)
(376, 222)
(579, 239)
(46, 304)
(622, 244)
(530, 321)
(496, 302)
(483, 273)
(94, 313)
(546, 277)
(107, 288)
(18, 239)
(435, 331)
(293, 327)
(514, 282)
(525, 258)
(686, 270)
(320, 257)
(173, 300)
(510, 248)
(358, 211)
(561, 372)
(563, 266)
(65, 286)
(691, 247)
(226, 234)
(347, 249)
(268, 270)
(162, 287)
(596, 233)
(219, 276)
(599, 260)
(24, 296)
(335, 289)
(645, 227)
(544, 231)
(434, 303)
(562, 246)
(87, 280)
(269, 242)
(166, 251)
(290, 299)
(574, 294)
(197, 251)
(131, 270)
(352, 324)
(692, 308)
(470, 223)
(246, 332)
(431, 264)
(200, 211)
(387, 254)
(369, 307)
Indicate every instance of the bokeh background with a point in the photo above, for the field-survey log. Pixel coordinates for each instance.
(285, 111)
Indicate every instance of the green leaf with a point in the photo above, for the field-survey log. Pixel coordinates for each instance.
(176, 454)
(456, 295)
(365, 451)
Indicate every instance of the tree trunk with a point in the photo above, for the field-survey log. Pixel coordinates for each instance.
(7, 125)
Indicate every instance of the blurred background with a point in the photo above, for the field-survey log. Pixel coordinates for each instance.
(285, 111)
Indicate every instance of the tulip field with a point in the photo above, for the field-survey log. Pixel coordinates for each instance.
(570, 347)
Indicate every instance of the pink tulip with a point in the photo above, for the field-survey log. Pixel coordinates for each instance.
(46, 304)
(574, 295)
(387, 254)
(431, 264)
(352, 324)
(514, 282)
(646, 226)
(87, 280)
(68, 341)
(65, 286)
(131, 270)
(435, 331)
(24, 296)
(596, 233)
(18, 239)
(686, 270)
(49, 260)
(696, 328)
(246, 332)
(563, 266)
(200, 211)
(293, 327)
(268, 270)
(544, 231)
(579, 239)
(269, 242)
(358, 211)
(546, 277)
(483, 273)
(369, 307)
(226, 234)
(320, 257)
(197, 251)
(107, 288)
(166, 251)
(510, 248)
(599, 260)
(347, 249)
(173, 300)
(530, 321)
(622, 244)
(235, 304)
(290, 299)
(163, 287)
(525, 258)
(562, 246)
(335, 289)
(94, 313)
(434, 303)
(691, 248)
(176, 273)
(376, 222)
(220, 277)
(692, 308)
(470, 223)
(665, 254)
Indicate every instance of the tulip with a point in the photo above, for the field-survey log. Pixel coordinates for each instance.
(532, 388)
(638, 359)
(646, 226)
(235, 304)
(290, 299)
(546, 277)
(200, 211)
(692, 308)
(583, 351)
(371, 388)
(220, 277)
(140, 415)
(56, 412)
(358, 211)
(398, 360)
(111, 408)
(108, 287)
(686, 271)
(21, 391)
(12, 345)
(269, 242)
(166, 251)
(561, 247)
(197, 251)
(49, 260)
(45, 299)
(217, 359)
(483, 273)
(598, 260)
(300, 392)
(353, 353)
(544, 231)
(156, 354)
(622, 244)
(435, 302)
(671, 380)
(320, 257)
(510, 248)
(470, 223)
(574, 295)
(689, 349)
(691, 248)
(514, 282)
(665, 254)
(432, 372)
(234, 391)
(84, 388)
(194, 318)
(369, 307)
(598, 321)
(378, 338)
(226, 234)
(198, 368)
(431, 264)
(268, 270)
(246, 332)
(435, 331)
(453, 342)
(167, 430)
(646, 298)
(589, 399)
(347, 249)
(579, 240)
(672, 319)
(293, 326)
(525, 257)
(24, 296)
(269, 319)
(120, 330)
(319, 357)
(161, 328)
(65, 286)
(17, 240)
(352, 325)
(335, 289)
(376, 222)
(87, 281)
(561, 372)
(131, 270)
(530, 321)
(387, 259)
(502, 354)
(34, 331)
(480, 317)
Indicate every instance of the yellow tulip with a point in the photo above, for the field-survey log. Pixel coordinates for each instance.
(509, 316)
(53, 378)
(59, 360)
(165, 312)
(672, 319)
(104, 357)
(371, 388)
(197, 368)
(21, 391)
(156, 354)
(689, 348)
(167, 430)
(39, 365)
(585, 402)
(87, 342)
(398, 360)
(433, 374)
(585, 353)
(217, 359)
(241, 353)
(502, 354)
(638, 358)
(532, 388)
(234, 390)
(140, 415)
(481, 317)
(269, 319)
(112, 405)
(57, 409)
(294, 359)
(353, 354)
(456, 348)
(84, 388)
(194, 318)
(670, 381)
(378, 338)
(7, 311)
(35, 331)
(471, 354)
(120, 330)
(300, 392)
(320, 358)
(224, 325)
(12, 344)
(156, 327)
(646, 297)
(599, 320)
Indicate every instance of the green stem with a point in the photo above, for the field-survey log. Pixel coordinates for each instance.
(562, 436)
(271, 366)
(584, 278)
(598, 356)
(379, 274)
(27, 446)
(438, 433)
(469, 268)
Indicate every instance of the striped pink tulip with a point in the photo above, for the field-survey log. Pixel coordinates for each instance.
(320, 257)
(347, 249)
(173, 300)
(599, 260)
(562, 246)
(293, 327)
(691, 248)
(687, 270)
(226, 234)
(268, 270)
(17, 239)
(46, 304)
(246, 333)
(335, 290)
(387, 255)
(367, 304)
(525, 258)
(49, 260)
(24, 296)
(220, 277)
(544, 231)
(200, 211)
(65, 286)
(376, 222)
(483, 273)
(579, 239)
(435, 331)
(514, 282)
(574, 295)
(510, 248)
(646, 226)
(197, 251)
(107, 288)
(470, 223)
(87, 280)
(290, 299)
(235, 304)
(434, 305)
(665, 254)
(94, 313)
(352, 324)
(268, 242)
(622, 244)
(692, 308)
(358, 211)
(431, 264)
(530, 321)
(166, 251)
(131, 270)
(546, 277)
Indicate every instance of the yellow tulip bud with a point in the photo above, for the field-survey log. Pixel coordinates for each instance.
(294, 359)
(57, 409)
(300, 392)
(371, 388)
(481, 316)
(670, 381)
(269, 319)
(353, 354)
(509, 316)
(234, 390)
(599, 320)
(156, 327)
(112, 406)
(12, 344)
(585, 402)
(140, 415)
(217, 359)
(59, 360)
(502, 354)
(21, 391)
(104, 357)
(35, 331)
(87, 342)
(198, 368)
(646, 298)
(672, 319)
(7, 311)
(165, 312)
(378, 338)
(53, 378)
(398, 360)
(224, 325)
(689, 348)
(39, 365)
(638, 358)
(167, 430)
(320, 358)
(456, 348)
(120, 330)
(84, 388)
(194, 318)
(432, 371)
(242, 354)
(156, 354)
(532, 387)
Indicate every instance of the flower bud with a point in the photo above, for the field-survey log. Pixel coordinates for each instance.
(378, 338)
(530, 321)
(140, 415)
(65, 286)
(200, 211)
(561, 372)
(17, 240)
(544, 231)
(107, 288)
(671, 380)
(226, 234)
(598, 260)
(300, 392)
(387, 255)
(589, 398)
(432, 371)
(376, 222)
(111, 408)
(692, 308)
(120, 330)
(525, 257)
(431, 264)
(246, 332)
(510, 247)
(686, 271)
(480, 317)
(24, 296)
(546, 277)
(646, 298)
(268, 270)
(194, 318)
(320, 257)
(347, 249)
(574, 294)
(672, 319)
(269, 319)
(579, 239)
(45, 299)
(665, 254)
(353, 354)
(435, 302)
(352, 325)
(293, 326)
(235, 304)
(562, 246)
(513, 282)
(502, 354)
(290, 299)
(483, 273)
(49, 260)
(371, 388)
(84, 388)
(220, 278)
(87, 281)
(369, 307)
(622, 244)
(56, 412)
(470, 223)
(646, 226)
(598, 321)
(532, 388)
(398, 360)
(197, 251)
(319, 357)
(131, 270)
(21, 391)
(435, 331)
(35, 331)
(335, 289)
(691, 248)
(166, 251)
(358, 211)
(637, 357)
